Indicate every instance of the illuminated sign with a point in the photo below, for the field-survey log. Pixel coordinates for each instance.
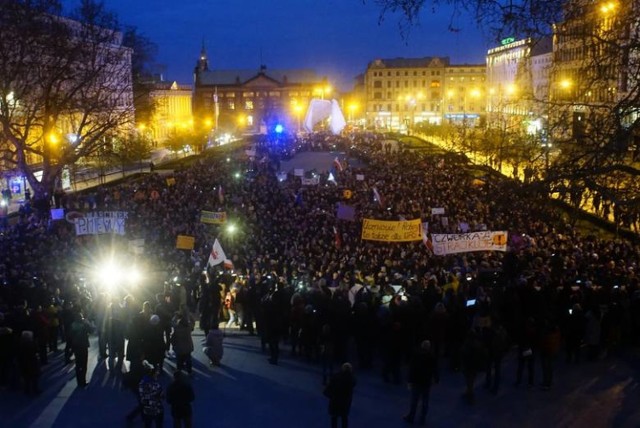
(507, 41)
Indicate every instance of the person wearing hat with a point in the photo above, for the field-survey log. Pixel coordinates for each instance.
(340, 394)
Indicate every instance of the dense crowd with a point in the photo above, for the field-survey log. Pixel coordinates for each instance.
(303, 277)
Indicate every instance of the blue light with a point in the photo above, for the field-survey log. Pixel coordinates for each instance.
(279, 128)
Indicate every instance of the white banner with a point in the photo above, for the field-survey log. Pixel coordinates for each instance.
(310, 181)
(436, 211)
(100, 222)
(466, 242)
(298, 172)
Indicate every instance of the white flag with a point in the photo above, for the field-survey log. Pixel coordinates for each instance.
(217, 255)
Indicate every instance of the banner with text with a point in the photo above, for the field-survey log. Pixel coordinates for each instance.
(314, 181)
(100, 222)
(212, 217)
(391, 231)
(466, 242)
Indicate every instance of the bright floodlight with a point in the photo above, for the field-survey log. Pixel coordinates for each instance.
(108, 275)
(231, 228)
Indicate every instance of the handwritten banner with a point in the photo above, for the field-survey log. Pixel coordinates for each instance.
(466, 242)
(100, 222)
(212, 217)
(392, 231)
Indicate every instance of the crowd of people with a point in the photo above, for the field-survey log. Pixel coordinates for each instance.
(303, 277)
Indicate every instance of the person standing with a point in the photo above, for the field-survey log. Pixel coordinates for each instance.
(183, 343)
(180, 396)
(28, 362)
(151, 395)
(213, 346)
(80, 330)
(422, 371)
(340, 394)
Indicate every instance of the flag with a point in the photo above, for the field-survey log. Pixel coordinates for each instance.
(221, 194)
(332, 179)
(337, 164)
(377, 196)
(425, 236)
(228, 264)
(338, 238)
(217, 255)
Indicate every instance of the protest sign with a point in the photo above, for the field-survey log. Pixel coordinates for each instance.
(100, 222)
(213, 217)
(185, 242)
(466, 242)
(392, 231)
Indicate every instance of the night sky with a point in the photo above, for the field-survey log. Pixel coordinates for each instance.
(337, 38)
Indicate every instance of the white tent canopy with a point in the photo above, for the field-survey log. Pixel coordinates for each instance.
(320, 110)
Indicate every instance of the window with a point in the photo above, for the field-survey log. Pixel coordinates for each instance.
(248, 105)
(377, 83)
(377, 95)
(435, 84)
(248, 94)
(231, 105)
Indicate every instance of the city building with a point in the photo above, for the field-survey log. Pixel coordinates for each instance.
(403, 92)
(171, 113)
(594, 66)
(518, 84)
(254, 101)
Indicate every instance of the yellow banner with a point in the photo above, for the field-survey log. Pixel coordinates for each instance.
(171, 181)
(212, 217)
(391, 231)
(185, 242)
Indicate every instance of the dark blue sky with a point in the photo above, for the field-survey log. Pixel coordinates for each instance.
(337, 38)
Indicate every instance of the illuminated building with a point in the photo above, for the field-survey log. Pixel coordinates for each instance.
(250, 101)
(594, 64)
(518, 84)
(403, 92)
(172, 111)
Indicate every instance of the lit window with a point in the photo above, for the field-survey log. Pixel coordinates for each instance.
(248, 105)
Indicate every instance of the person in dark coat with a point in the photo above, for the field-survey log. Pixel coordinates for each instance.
(422, 372)
(183, 343)
(80, 330)
(180, 396)
(28, 362)
(340, 393)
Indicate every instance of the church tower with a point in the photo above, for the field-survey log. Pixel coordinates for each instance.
(202, 64)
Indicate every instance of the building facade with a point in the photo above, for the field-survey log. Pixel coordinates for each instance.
(518, 84)
(403, 92)
(254, 101)
(172, 112)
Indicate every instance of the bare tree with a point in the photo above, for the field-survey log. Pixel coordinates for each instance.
(65, 86)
